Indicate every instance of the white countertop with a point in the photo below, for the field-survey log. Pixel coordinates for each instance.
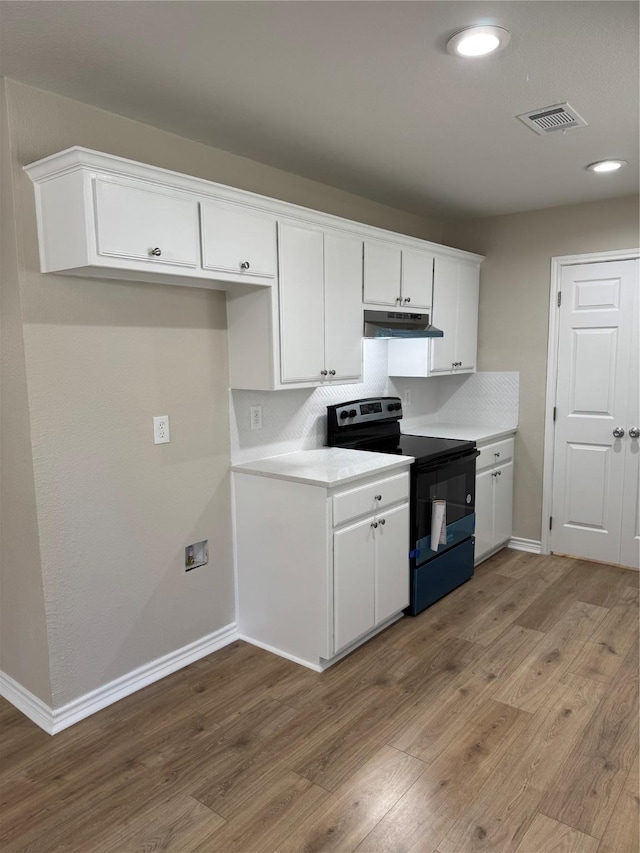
(467, 432)
(328, 466)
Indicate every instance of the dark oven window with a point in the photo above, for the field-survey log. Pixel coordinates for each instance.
(454, 483)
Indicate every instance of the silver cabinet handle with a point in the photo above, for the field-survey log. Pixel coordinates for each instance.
(245, 265)
(399, 299)
(382, 521)
(155, 253)
(378, 497)
(634, 432)
(494, 474)
(499, 473)
(407, 300)
(323, 372)
(374, 523)
(497, 455)
(618, 432)
(332, 373)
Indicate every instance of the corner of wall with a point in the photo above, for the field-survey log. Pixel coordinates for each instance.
(24, 648)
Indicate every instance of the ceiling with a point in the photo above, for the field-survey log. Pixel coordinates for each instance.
(359, 95)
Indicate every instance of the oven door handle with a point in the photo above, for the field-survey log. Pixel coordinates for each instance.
(443, 462)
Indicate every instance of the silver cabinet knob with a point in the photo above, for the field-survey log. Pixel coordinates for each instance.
(332, 373)
(378, 497)
(408, 300)
(382, 521)
(497, 454)
(494, 474)
(634, 432)
(499, 473)
(324, 372)
(374, 524)
(618, 432)
(399, 299)
(245, 265)
(155, 253)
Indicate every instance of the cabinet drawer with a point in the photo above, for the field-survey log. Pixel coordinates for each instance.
(370, 498)
(495, 454)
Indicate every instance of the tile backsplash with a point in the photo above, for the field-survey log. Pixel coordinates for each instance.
(296, 419)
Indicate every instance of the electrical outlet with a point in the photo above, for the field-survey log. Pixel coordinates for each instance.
(161, 434)
(256, 417)
(407, 397)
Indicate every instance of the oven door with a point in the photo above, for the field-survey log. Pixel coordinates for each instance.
(451, 480)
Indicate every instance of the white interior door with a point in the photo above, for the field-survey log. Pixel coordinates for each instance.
(594, 377)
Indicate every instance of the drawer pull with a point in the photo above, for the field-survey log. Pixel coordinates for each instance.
(378, 497)
(374, 524)
(245, 265)
(497, 455)
(382, 521)
(155, 253)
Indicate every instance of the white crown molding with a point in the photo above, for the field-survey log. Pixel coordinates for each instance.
(54, 720)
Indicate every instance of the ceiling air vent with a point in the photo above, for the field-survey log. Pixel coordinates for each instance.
(549, 119)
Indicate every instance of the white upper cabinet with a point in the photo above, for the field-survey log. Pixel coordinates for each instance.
(135, 221)
(238, 242)
(396, 276)
(417, 279)
(382, 273)
(320, 305)
(301, 251)
(343, 306)
(455, 312)
(296, 279)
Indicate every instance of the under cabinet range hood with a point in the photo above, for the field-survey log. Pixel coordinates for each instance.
(396, 324)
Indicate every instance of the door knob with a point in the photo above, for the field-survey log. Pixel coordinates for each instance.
(323, 372)
(634, 432)
(618, 432)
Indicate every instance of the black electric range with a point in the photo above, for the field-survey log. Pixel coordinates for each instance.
(443, 469)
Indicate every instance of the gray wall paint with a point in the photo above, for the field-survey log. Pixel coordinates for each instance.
(514, 310)
(114, 511)
(24, 650)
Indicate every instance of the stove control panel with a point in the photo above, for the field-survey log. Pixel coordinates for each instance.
(365, 411)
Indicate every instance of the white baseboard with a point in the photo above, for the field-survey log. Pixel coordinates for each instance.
(54, 720)
(22, 699)
(533, 546)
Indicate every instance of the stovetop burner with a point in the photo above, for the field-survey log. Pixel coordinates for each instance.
(374, 424)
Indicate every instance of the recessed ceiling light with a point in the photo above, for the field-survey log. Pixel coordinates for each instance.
(478, 41)
(606, 165)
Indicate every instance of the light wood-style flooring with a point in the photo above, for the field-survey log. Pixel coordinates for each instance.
(504, 718)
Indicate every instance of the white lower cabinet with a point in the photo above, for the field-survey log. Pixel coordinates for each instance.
(494, 497)
(320, 570)
(370, 573)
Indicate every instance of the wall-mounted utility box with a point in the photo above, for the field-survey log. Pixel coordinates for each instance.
(196, 555)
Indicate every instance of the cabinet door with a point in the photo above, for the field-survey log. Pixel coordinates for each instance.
(503, 504)
(353, 582)
(417, 279)
(238, 241)
(301, 251)
(466, 336)
(145, 224)
(484, 513)
(445, 314)
(392, 563)
(343, 305)
(382, 267)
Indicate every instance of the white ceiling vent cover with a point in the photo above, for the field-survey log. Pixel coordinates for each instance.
(549, 119)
